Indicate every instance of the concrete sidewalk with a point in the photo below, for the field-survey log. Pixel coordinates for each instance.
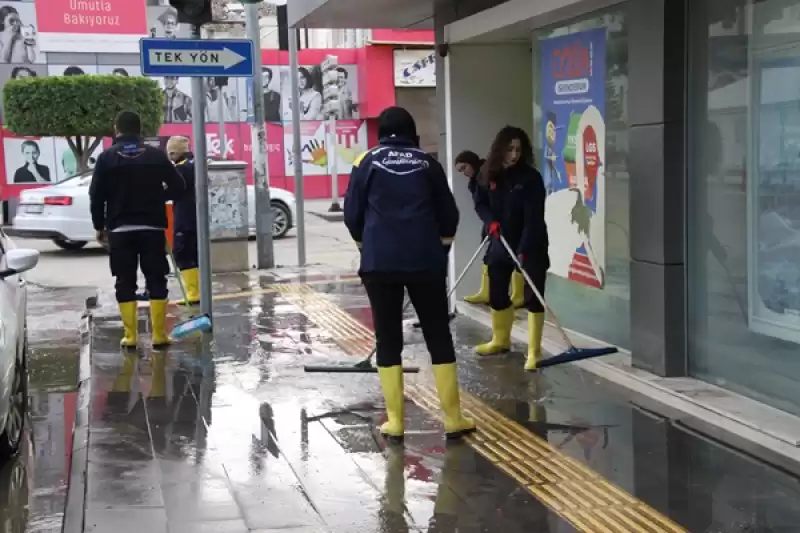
(233, 436)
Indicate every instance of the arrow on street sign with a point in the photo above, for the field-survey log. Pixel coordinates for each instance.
(196, 57)
(225, 58)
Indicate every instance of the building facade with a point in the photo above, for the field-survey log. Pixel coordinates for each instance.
(69, 37)
(668, 134)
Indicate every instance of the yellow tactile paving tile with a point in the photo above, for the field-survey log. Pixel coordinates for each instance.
(269, 289)
(568, 487)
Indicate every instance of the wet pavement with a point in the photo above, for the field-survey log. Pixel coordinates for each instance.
(232, 436)
(33, 485)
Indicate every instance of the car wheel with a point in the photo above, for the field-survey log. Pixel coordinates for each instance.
(11, 437)
(69, 245)
(281, 220)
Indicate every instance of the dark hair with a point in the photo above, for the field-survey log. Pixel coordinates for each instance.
(30, 143)
(121, 71)
(73, 71)
(343, 71)
(307, 75)
(470, 158)
(128, 123)
(4, 12)
(493, 167)
(16, 70)
(267, 70)
(397, 121)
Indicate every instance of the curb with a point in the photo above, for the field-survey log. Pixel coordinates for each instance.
(75, 506)
(651, 395)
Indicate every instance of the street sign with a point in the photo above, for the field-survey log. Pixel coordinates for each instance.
(196, 57)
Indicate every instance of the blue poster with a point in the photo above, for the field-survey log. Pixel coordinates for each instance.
(573, 79)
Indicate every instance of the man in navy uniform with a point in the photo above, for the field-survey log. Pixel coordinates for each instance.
(400, 211)
(131, 183)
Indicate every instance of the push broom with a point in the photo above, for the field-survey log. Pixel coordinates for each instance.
(572, 353)
(365, 365)
(195, 324)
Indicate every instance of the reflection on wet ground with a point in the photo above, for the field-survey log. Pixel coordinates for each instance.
(232, 436)
(33, 485)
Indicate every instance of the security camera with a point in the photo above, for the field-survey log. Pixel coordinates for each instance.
(442, 49)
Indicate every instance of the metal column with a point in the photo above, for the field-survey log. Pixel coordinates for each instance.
(201, 187)
(264, 245)
(296, 157)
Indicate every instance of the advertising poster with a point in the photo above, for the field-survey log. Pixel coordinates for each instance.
(117, 17)
(351, 141)
(19, 33)
(574, 138)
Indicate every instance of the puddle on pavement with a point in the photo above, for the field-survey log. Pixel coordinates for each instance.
(33, 485)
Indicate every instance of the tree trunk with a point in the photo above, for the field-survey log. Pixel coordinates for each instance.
(83, 147)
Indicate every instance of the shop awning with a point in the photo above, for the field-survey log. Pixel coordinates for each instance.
(347, 14)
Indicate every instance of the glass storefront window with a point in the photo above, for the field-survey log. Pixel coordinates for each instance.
(744, 197)
(581, 141)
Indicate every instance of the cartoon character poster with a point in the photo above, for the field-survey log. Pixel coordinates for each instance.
(574, 148)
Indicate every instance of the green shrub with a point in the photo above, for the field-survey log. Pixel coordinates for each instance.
(80, 108)
(71, 106)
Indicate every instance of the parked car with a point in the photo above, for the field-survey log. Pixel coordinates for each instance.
(60, 213)
(13, 343)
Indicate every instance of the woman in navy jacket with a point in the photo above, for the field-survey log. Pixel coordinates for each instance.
(510, 200)
(469, 165)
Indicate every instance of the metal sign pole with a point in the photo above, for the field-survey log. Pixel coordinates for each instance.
(223, 142)
(201, 187)
(297, 155)
(263, 207)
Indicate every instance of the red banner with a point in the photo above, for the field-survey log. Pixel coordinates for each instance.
(121, 17)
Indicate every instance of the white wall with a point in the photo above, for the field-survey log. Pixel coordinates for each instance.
(489, 86)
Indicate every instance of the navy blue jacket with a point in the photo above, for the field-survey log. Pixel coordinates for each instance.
(473, 185)
(131, 183)
(400, 210)
(184, 209)
(516, 200)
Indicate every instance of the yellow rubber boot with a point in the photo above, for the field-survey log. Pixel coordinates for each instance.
(517, 290)
(535, 329)
(502, 321)
(392, 386)
(129, 313)
(191, 280)
(158, 322)
(456, 425)
(482, 296)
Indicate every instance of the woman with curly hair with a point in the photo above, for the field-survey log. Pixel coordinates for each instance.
(469, 165)
(510, 201)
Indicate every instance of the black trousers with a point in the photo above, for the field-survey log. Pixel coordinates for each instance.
(499, 278)
(130, 250)
(428, 296)
(186, 249)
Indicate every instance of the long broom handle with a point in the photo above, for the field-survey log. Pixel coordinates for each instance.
(461, 276)
(177, 274)
(528, 279)
(451, 291)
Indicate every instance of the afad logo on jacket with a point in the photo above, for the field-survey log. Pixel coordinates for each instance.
(402, 162)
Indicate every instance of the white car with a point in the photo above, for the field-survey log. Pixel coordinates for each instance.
(13, 343)
(61, 213)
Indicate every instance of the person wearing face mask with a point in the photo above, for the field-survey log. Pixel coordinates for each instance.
(510, 200)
